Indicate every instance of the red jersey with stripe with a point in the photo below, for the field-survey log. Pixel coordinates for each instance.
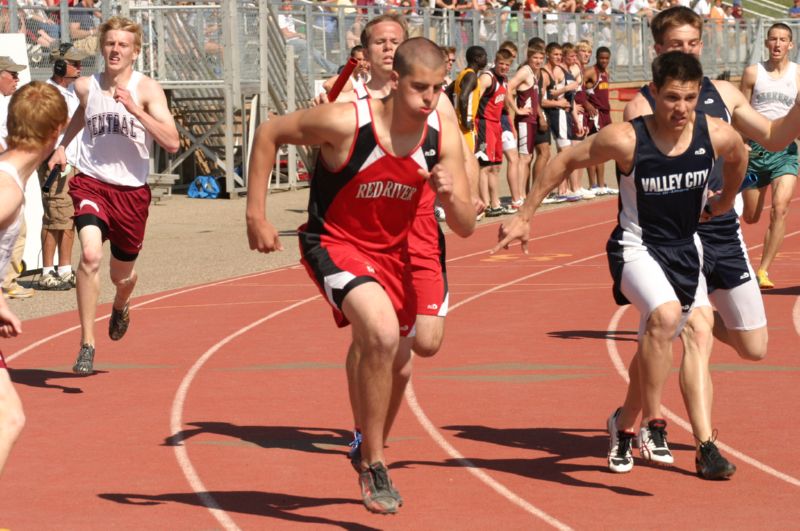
(528, 99)
(370, 201)
(490, 106)
(598, 94)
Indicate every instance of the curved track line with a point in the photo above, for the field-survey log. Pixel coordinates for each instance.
(613, 353)
(42, 341)
(450, 450)
(498, 487)
(176, 422)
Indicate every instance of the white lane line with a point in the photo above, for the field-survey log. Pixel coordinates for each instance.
(44, 340)
(176, 421)
(616, 360)
(450, 450)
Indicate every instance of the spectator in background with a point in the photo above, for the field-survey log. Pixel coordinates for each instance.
(736, 10)
(83, 26)
(702, 8)
(39, 24)
(9, 78)
(299, 43)
(353, 35)
(794, 11)
(58, 231)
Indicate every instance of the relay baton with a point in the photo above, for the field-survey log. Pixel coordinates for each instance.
(344, 75)
(51, 177)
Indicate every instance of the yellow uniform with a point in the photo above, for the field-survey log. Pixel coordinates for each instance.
(472, 107)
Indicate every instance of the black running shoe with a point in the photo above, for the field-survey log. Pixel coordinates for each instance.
(377, 492)
(84, 364)
(710, 464)
(119, 322)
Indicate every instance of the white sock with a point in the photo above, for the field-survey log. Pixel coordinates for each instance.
(47, 270)
(64, 270)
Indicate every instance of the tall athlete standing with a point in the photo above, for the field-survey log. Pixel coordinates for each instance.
(121, 112)
(376, 158)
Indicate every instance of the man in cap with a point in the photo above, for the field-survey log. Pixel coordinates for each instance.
(9, 78)
(57, 226)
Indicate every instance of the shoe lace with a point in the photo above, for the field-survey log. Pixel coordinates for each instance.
(86, 353)
(709, 450)
(356, 442)
(624, 446)
(659, 436)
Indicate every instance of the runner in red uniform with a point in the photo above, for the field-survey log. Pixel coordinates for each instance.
(375, 159)
(489, 141)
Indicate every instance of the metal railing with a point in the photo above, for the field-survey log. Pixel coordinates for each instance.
(226, 65)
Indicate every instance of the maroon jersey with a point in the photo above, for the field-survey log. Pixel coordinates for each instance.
(598, 94)
(490, 106)
(370, 201)
(528, 99)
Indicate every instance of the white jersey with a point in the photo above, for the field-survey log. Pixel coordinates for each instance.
(8, 236)
(115, 145)
(4, 101)
(773, 98)
(72, 104)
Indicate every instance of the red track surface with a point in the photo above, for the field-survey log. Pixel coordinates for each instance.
(195, 421)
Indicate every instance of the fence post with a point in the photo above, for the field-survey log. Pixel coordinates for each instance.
(291, 106)
(232, 91)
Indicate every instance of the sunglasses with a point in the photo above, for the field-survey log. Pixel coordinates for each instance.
(15, 75)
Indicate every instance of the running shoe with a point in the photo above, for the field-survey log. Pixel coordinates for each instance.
(571, 198)
(85, 363)
(70, 278)
(585, 194)
(611, 191)
(119, 322)
(596, 190)
(53, 282)
(377, 492)
(15, 291)
(510, 209)
(620, 455)
(493, 212)
(763, 280)
(653, 442)
(710, 464)
(354, 453)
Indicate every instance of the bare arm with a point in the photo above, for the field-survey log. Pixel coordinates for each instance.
(748, 82)
(449, 181)
(615, 142)
(638, 106)
(727, 144)
(467, 85)
(773, 135)
(448, 113)
(75, 124)
(327, 125)
(154, 115)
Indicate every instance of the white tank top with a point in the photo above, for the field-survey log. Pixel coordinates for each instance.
(116, 146)
(771, 97)
(8, 236)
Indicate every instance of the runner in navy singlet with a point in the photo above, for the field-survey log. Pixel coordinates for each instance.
(654, 256)
(740, 321)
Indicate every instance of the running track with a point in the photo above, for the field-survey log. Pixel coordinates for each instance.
(226, 408)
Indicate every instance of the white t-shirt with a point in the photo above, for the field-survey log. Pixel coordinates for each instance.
(286, 22)
(702, 8)
(72, 104)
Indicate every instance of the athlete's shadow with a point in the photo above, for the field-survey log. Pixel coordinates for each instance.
(268, 504)
(617, 335)
(41, 378)
(564, 444)
(791, 290)
(314, 440)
